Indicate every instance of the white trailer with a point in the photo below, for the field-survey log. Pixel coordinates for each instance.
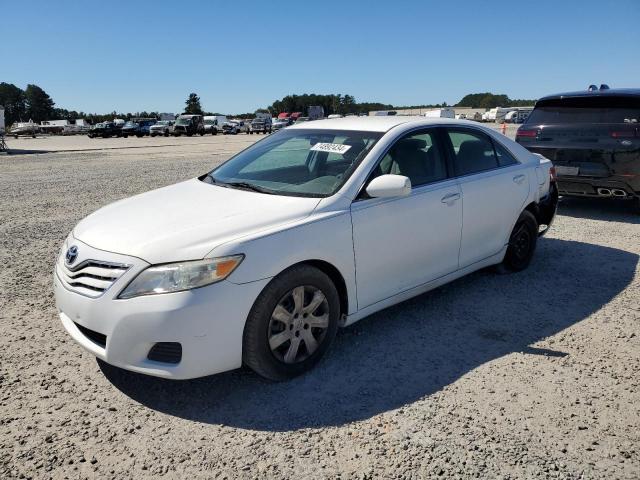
(440, 113)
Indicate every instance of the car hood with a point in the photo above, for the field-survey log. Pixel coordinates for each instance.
(187, 220)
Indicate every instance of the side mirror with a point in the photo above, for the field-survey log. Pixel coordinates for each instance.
(387, 186)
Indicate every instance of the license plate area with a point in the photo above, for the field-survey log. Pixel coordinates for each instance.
(567, 171)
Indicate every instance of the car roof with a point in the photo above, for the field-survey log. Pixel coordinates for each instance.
(606, 92)
(374, 123)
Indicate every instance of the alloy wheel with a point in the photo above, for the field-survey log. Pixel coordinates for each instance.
(298, 324)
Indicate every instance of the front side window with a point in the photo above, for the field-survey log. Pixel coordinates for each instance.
(473, 152)
(417, 157)
(298, 162)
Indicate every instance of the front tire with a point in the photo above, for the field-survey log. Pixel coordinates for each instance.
(291, 324)
(522, 243)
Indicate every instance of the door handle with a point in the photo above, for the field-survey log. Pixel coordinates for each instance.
(519, 178)
(449, 199)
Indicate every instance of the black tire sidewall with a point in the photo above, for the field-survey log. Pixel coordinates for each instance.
(511, 261)
(256, 352)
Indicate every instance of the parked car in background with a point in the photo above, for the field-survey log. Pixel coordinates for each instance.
(213, 123)
(261, 124)
(131, 128)
(189, 125)
(233, 127)
(163, 127)
(105, 130)
(308, 230)
(145, 126)
(301, 119)
(280, 123)
(593, 139)
(24, 128)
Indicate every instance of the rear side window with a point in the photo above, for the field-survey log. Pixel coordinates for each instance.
(594, 110)
(473, 152)
(504, 157)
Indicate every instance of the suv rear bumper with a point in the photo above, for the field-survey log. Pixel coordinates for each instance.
(588, 186)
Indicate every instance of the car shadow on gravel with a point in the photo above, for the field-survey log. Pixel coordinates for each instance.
(608, 210)
(18, 151)
(409, 351)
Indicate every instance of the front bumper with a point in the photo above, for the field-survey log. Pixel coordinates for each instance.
(208, 322)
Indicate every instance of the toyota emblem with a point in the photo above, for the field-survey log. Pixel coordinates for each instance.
(71, 255)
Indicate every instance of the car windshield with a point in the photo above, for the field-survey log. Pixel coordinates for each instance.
(297, 162)
(130, 124)
(600, 109)
(183, 121)
(163, 122)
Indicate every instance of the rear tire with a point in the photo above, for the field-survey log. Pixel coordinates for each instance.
(522, 243)
(291, 324)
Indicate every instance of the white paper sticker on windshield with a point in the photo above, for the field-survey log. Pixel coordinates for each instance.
(331, 148)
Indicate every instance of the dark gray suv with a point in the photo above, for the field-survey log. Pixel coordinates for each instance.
(593, 139)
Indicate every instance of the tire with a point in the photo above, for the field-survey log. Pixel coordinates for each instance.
(522, 243)
(262, 326)
(126, 136)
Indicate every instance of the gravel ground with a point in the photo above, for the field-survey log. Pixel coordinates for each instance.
(535, 374)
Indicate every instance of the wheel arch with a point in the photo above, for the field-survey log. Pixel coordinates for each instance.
(334, 275)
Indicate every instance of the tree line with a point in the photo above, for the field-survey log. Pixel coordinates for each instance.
(490, 100)
(332, 104)
(35, 104)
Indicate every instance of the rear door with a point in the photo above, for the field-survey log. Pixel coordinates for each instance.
(494, 188)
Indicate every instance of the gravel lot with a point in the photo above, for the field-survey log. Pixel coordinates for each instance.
(535, 374)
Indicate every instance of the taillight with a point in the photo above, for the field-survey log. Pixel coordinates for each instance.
(552, 174)
(624, 134)
(526, 133)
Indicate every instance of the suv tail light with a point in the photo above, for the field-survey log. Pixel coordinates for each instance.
(552, 174)
(625, 134)
(522, 132)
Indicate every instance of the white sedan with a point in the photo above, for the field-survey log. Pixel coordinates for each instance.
(259, 261)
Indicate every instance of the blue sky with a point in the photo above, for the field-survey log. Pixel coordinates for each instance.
(239, 56)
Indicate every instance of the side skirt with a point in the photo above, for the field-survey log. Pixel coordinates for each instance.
(425, 287)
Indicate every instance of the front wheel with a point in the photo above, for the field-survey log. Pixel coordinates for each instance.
(522, 243)
(291, 324)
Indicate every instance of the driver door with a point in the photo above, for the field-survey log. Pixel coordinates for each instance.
(403, 242)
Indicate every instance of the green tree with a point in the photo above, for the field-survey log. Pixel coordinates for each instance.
(193, 106)
(13, 101)
(39, 104)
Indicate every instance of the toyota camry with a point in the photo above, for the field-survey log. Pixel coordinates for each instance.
(262, 259)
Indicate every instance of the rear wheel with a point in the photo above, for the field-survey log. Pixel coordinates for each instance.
(522, 243)
(291, 324)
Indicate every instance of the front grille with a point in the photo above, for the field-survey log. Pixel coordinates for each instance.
(95, 337)
(166, 352)
(91, 277)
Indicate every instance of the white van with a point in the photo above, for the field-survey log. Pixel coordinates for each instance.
(213, 123)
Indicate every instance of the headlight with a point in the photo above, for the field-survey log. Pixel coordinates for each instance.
(177, 277)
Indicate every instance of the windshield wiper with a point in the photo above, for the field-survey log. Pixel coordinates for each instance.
(246, 186)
